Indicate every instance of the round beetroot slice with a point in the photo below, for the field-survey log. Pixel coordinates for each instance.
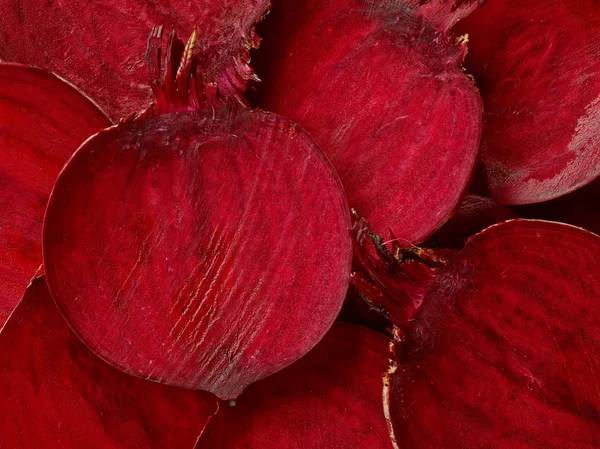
(43, 120)
(56, 394)
(502, 351)
(535, 63)
(198, 251)
(331, 398)
(100, 45)
(388, 104)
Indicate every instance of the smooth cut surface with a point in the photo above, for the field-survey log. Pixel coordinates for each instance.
(504, 351)
(56, 394)
(388, 103)
(101, 46)
(198, 252)
(331, 398)
(42, 122)
(536, 64)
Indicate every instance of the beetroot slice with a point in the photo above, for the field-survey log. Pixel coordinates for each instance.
(206, 249)
(43, 120)
(331, 398)
(474, 214)
(388, 104)
(536, 67)
(56, 394)
(100, 45)
(502, 351)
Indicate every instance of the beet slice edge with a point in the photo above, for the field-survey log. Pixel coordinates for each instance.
(474, 214)
(329, 398)
(536, 69)
(43, 119)
(57, 394)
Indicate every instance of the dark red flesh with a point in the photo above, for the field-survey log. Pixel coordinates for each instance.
(43, 120)
(388, 103)
(331, 398)
(536, 65)
(474, 214)
(100, 46)
(56, 394)
(200, 252)
(502, 352)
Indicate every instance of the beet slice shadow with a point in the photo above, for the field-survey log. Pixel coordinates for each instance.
(474, 214)
(56, 394)
(196, 246)
(43, 120)
(501, 350)
(536, 66)
(578, 208)
(331, 398)
(388, 103)
(356, 310)
(100, 46)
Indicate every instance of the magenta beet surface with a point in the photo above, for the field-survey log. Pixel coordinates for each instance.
(43, 120)
(388, 103)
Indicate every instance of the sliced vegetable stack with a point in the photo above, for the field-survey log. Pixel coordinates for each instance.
(171, 276)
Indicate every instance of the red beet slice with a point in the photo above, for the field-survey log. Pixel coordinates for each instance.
(388, 104)
(474, 214)
(43, 120)
(56, 394)
(502, 351)
(331, 398)
(206, 249)
(100, 45)
(536, 64)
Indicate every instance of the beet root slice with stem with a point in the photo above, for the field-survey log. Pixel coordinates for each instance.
(57, 394)
(331, 398)
(501, 351)
(100, 45)
(43, 120)
(536, 66)
(389, 105)
(474, 214)
(200, 248)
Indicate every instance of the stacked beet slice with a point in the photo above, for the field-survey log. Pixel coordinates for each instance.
(388, 103)
(172, 269)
